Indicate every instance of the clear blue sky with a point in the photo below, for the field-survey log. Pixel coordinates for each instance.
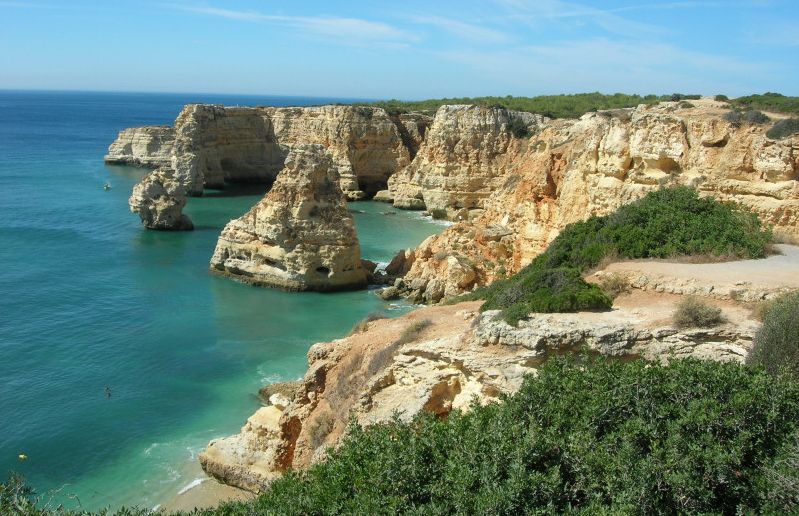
(408, 49)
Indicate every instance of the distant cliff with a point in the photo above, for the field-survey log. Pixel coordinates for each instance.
(210, 145)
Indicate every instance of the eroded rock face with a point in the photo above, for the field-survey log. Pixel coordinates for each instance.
(465, 151)
(149, 146)
(572, 169)
(300, 236)
(210, 145)
(159, 200)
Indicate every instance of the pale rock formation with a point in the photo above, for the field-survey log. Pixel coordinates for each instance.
(464, 153)
(211, 144)
(300, 236)
(149, 146)
(159, 200)
(572, 169)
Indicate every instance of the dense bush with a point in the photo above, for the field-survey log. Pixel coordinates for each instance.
(554, 106)
(776, 345)
(666, 223)
(695, 437)
(784, 128)
(773, 102)
(721, 98)
(693, 312)
(736, 117)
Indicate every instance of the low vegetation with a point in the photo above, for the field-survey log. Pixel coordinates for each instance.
(412, 331)
(776, 345)
(666, 223)
(773, 102)
(784, 128)
(737, 117)
(553, 106)
(693, 312)
(363, 325)
(614, 285)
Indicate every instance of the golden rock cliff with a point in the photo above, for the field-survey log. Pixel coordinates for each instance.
(300, 236)
(568, 170)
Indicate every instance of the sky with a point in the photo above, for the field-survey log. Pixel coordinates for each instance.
(411, 49)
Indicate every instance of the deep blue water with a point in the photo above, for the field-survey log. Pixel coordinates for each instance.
(89, 299)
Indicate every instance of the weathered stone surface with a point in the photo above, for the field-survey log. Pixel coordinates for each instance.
(572, 169)
(159, 200)
(300, 236)
(149, 146)
(215, 144)
(464, 151)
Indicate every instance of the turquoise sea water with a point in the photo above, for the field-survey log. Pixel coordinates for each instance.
(89, 299)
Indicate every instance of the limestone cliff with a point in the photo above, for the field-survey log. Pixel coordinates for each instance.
(526, 191)
(210, 145)
(149, 146)
(466, 152)
(300, 236)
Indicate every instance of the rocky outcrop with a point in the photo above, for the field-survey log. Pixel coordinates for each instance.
(149, 146)
(460, 355)
(572, 169)
(159, 200)
(300, 236)
(466, 151)
(211, 145)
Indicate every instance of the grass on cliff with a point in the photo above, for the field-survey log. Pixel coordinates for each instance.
(773, 102)
(665, 223)
(553, 106)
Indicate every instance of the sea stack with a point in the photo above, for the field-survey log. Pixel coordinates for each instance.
(300, 236)
(159, 200)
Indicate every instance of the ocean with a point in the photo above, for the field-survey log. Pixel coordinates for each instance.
(89, 300)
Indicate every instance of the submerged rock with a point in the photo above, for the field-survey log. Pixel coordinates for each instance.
(159, 200)
(300, 236)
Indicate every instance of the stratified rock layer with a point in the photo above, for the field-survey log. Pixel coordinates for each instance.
(300, 236)
(149, 146)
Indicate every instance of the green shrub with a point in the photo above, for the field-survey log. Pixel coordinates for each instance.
(666, 223)
(784, 128)
(721, 98)
(608, 438)
(693, 312)
(685, 105)
(776, 344)
(737, 118)
(773, 102)
(518, 128)
(782, 481)
(560, 289)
